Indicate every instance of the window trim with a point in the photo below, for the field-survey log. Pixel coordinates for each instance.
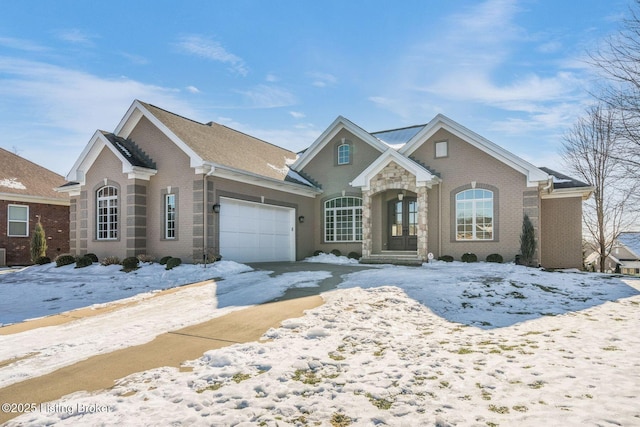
(9, 221)
(453, 213)
(446, 149)
(167, 228)
(112, 226)
(355, 217)
(475, 206)
(346, 144)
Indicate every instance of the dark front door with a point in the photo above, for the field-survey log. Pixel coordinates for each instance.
(403, 224)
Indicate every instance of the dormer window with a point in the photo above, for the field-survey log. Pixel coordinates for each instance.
(344, 153)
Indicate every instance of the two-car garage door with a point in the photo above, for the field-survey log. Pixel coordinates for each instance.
(255, 232)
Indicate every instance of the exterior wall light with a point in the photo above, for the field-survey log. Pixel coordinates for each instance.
(216, 208)
(301, 219)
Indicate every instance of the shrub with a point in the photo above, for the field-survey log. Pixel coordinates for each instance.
(469, 257)
(38, 245)
(146, 258)
(336, 252)
(164, 259)
(318, 252)
(130, 264)
(93, 257)
(110, 260)
(445, 258)
(354, 255)
(65, 260)
(43, 260)
(527, 242)
(495, 258)
(83, 261)
(173, 262)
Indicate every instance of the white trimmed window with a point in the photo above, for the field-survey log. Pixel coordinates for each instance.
(170, 216)
(107, 213)
(18, 221)
(343, 219)
(474, 215)
(442, 149)
(344, 154)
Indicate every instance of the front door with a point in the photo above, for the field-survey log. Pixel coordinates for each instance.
(403, 224)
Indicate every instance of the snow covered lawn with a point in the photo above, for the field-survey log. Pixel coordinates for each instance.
(445, 344)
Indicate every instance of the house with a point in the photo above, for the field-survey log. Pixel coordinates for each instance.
(27, 195)
(624, 257)
(163, 184)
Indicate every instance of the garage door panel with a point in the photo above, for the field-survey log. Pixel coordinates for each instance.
(253, 232)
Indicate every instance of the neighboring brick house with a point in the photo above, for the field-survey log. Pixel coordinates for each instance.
(163, 184)
(27, 195)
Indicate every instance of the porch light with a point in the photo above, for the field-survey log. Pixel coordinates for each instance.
(216, 208)
(301, 219)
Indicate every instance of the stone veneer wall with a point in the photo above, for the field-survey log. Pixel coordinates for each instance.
(394, 177)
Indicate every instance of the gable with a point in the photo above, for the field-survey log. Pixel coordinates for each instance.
(440, 122)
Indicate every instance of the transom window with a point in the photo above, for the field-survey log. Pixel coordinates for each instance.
(474, 215)
(344, 154)
(107, 213)
(343, 219)
(170, 216)
(18, 221)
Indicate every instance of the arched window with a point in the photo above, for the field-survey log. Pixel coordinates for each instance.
(474, 215)
(107, 213)
(343, 219)
(344, 153)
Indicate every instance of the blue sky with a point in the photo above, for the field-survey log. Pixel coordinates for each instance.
(514, 71)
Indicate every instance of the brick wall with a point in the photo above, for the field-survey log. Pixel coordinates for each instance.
(55, 221)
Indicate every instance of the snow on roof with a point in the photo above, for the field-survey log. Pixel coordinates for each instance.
(397, 138)
(12, 183)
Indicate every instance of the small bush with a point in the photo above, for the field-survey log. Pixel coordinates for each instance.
(93, 257)
(318, 252)
(43, 260)
(110, 260)
(354, 255)
(164, 259)
(173, 262)
(495, 258)
(469, 257)
(146, 258)
(336, 252)
(130, 264)
(65, 260)
(84, 261)
(445, 258)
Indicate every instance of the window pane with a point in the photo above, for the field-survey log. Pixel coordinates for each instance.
(17, 228)
(343, 154)
(18, 213)
(474, 215)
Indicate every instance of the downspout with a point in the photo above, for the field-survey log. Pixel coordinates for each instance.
(440, 219)
(205, 249)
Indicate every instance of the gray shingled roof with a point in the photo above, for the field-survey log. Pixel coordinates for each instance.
(221, 145)
(396, 138)
(631, 240)
(563, 181)
(19, 176)
(130, 151)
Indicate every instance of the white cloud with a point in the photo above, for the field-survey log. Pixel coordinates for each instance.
(268, 96)
(322, 79)
(75, 36)
(21, 44)
(271, 78)
(297, 114)
(47, 100)
(213, 50)
(192, 89)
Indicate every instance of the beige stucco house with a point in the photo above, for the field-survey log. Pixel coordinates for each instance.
(162, 184)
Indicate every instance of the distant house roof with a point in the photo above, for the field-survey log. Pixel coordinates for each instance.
(23, 180)
(631, 240)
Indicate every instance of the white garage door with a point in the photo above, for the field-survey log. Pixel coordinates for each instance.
(255, 232)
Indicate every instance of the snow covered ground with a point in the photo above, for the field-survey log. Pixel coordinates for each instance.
(445, 344)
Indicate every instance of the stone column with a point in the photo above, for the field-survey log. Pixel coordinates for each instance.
(423, 208)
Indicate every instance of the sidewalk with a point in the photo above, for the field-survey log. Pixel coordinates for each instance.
(169, 349)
